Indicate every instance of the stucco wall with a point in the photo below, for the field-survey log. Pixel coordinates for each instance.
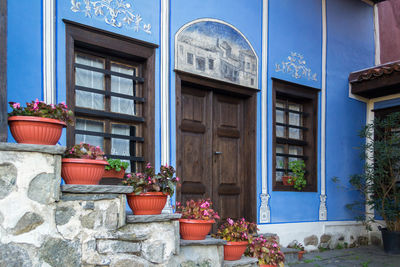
(389, 30)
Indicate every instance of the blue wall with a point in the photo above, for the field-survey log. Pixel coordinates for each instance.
(294, 26)
(350, 47)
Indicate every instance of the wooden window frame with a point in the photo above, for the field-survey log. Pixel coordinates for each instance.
(307, 96)
(121, 47)
(3, 71)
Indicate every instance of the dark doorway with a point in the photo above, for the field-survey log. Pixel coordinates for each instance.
(216, 144)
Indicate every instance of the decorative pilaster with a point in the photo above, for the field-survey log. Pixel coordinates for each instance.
(265, 212)
(323, 213)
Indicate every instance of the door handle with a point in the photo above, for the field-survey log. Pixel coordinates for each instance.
(217, 152)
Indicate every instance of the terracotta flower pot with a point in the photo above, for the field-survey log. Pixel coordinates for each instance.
(300, 255)
(35, 130)
(114, 174)
(194, 229)
(147, 203)
(233, 251)
(285, 180)
(82, 171)
(267, 265)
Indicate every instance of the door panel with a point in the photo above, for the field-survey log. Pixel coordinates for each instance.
(227, 161)
(193, 144)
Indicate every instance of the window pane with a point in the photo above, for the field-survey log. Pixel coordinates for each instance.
(295, 133)
(295, 119)
(280, 131)
(279, 176)
(93, 126)
(123, 86)
(280, 116)
(296, 150)
(280, 104)
(280, 162)
(90, 79)
(295, 107)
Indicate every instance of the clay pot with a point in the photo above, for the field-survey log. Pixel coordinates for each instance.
(82, 171)
(233, 251)
(35, 130)
(300, 255)
(194, 229)
(114, 174)
(267, 265)
(285, 180)
(150, 203)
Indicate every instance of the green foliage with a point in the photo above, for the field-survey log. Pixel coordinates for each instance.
(267, 251)
(197, 210)
(297, 168)
(84, 151)
(116, 164)
(149, 181)
(40, 109)
(233, 231)
(378, 183)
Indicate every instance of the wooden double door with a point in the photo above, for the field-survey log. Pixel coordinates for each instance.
(215, 149)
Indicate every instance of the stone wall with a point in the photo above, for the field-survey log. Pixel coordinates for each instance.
(45, 224)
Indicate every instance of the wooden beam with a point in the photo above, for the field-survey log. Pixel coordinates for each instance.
(3, 71)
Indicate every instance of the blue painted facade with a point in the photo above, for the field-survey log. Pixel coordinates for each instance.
(293, 27)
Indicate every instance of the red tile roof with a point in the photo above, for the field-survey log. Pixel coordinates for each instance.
(374, 72)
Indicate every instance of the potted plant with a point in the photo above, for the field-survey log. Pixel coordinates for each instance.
(286, 178)
(267, 251)
(379, 183)
(237, 233)
(298, 246)
(298, 170)
(197, 219)
(38, 123)
(150, 189)
(83, 164)
(115, 168)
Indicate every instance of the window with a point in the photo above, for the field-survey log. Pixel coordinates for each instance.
(190, 58)
(295, 131)
(112, 93)
(200, 63)
(210, 63)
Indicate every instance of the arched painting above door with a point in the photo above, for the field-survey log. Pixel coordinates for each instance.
(217, 50)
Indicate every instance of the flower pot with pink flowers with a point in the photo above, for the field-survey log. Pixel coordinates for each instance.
(150, 189)
(197, 219)
(38, 123)
(237, 233)
(267, 251)
(83, 164)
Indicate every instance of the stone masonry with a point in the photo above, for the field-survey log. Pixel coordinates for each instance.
(43, 224)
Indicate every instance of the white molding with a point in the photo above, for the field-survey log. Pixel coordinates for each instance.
(265, 212)
(376, 35)
(49, 73)
(383, 98)
(323, 214)
(164, 90)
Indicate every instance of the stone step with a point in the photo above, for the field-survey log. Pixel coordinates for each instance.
(209, 241)
(164, 217)
(96, 189)
(290, 254)
(243, 262)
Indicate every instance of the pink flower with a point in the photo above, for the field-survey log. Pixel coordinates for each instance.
(148, 166)
(275, 245)
(37, 101)
(16, 105)
(129, 175)
(205, 205)
(177, 178)
(205, 213)
(230, 221)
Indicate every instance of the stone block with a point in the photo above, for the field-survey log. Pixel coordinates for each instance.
(8, 177)
(58, 252)
(87, 197)
(311, 240)
(12, 255)
(325, 238)
(123, 236)
(206, 242)
(41, 188)
(88, 220)
(362, 240)
(152, 218)
(54, 150)
(96, 189)
(28, 222)
(117, 246)
(154, 251)
(64, 214)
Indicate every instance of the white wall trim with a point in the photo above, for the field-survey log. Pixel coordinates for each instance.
(49, 52)
(265, 213)
(376, 35)
(323, 214)
(164, 90)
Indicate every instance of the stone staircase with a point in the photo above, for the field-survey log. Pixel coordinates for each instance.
(45, 224)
